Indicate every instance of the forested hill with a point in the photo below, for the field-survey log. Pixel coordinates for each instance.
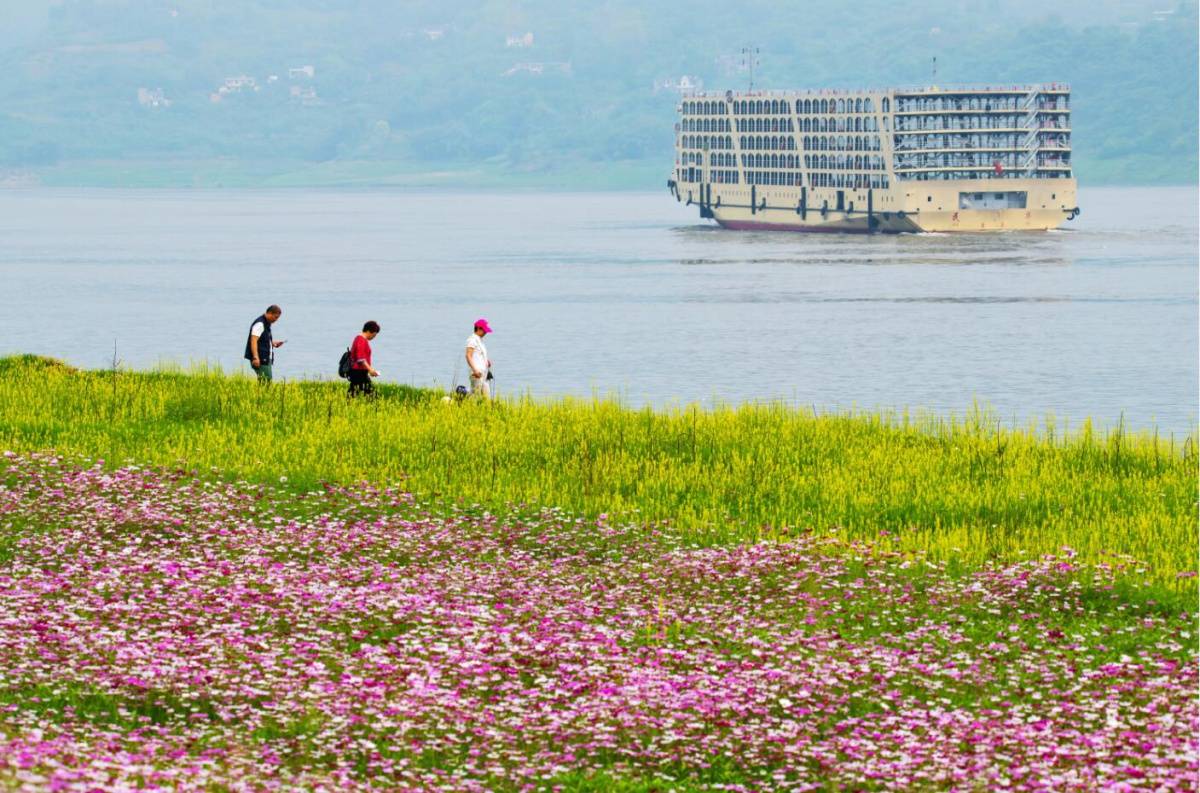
(535, 91)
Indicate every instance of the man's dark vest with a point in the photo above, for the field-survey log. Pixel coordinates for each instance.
(264, 341)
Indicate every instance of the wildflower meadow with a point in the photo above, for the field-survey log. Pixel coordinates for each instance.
(222, 621)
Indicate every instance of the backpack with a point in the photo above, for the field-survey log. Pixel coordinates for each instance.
(344, 365)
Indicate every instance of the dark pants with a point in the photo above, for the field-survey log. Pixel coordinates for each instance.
(360, 382)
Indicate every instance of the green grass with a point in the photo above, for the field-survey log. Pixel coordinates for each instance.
(965, 489)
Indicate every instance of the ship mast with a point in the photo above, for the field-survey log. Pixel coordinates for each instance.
(749, 61)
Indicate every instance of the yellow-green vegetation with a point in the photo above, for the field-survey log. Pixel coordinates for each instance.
(964, 490)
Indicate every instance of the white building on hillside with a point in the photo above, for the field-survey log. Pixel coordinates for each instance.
(152, 97)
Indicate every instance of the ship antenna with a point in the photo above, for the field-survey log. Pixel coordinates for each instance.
(935, 70)
(749, 61)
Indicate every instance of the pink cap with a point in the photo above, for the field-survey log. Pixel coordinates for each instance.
(482, 323)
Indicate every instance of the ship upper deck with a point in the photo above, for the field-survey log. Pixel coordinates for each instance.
(851, 137)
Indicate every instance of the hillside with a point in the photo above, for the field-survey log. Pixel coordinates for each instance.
(483, 92)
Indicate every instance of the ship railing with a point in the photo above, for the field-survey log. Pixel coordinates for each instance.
(982, 89)
(937, 129)
(897, 90)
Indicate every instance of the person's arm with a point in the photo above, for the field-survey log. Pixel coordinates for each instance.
(471, 363)
(254, 352)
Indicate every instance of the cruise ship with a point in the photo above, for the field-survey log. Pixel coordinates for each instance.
(929, 159)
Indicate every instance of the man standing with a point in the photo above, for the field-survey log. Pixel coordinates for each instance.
(361, 370)
(260, 347)
(477, 360)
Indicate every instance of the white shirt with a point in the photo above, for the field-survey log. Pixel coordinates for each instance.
(256, 329)
(477, 354)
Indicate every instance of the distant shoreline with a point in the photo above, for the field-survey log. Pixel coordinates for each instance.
(582, 175)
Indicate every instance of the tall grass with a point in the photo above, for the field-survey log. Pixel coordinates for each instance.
(958, 488)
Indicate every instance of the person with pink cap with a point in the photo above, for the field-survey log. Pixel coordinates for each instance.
(478, 364)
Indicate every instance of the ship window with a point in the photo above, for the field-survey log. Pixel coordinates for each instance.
(885, 104)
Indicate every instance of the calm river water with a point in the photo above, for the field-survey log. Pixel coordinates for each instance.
(626, 294)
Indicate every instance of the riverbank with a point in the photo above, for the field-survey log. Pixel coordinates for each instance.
(959, 491)
(229, 173)
(207, 583)
(567, 173)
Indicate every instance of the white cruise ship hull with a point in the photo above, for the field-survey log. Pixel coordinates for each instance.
(920, 207)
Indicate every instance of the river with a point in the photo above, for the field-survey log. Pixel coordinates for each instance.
(625, 294)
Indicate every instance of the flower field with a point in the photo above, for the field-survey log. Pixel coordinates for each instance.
(163, 628)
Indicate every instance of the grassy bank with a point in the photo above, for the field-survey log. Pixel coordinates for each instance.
(961, 490)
